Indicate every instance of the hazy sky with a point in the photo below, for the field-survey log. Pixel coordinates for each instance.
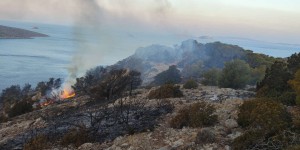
(271, 20)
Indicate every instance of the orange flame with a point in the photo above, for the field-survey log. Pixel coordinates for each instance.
(67, 94)
(44, 104)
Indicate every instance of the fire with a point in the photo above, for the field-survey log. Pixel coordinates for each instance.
(46, 103)
(67, 94)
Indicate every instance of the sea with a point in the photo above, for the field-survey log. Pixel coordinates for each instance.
(33, 60)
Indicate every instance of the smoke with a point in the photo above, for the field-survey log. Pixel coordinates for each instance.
(99, 29)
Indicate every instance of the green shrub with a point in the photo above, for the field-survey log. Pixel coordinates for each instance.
(288, 98)
(268, 115)
(196, 115)
(20, 108)
(236, 75)
(211, 77)
(76, 136)
(205, 136)
(256, 139)
(190, 84)
(247, 140)
(38, 142)
(165, 91)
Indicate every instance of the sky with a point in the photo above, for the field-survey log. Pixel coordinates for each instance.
(269, 20)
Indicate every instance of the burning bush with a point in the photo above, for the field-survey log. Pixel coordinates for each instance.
(114, 83)
(196, 115)
(165, 91)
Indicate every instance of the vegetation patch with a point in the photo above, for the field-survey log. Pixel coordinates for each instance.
(166, 91)
(39, 142)
(76, 137)
(267, 115)
(197, 115)
(190, 84)
(205, 136)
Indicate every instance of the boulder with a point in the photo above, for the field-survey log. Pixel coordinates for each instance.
(231, 123)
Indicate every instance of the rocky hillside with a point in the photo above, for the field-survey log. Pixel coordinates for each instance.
(148, 119)
(154, 59)
(16, 33)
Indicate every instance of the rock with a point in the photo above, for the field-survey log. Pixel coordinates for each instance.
(177, 143)
(164, 148)
(234, 135)
(227, 147)
(231, 123)
(86, 146)
(125, 145)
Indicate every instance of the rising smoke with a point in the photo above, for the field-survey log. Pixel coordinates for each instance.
(99, 28)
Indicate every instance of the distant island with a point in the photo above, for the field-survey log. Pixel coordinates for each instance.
(17, 33)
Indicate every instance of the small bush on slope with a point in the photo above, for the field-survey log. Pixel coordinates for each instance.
(190, 84)
(264, 120)
(165, 91)
(196, 115)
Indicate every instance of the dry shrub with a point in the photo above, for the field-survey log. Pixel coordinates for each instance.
(196, 115)
(247, 140)
(205, 136)
(165, 91)
(190, 84)
(3, 118)
(295, 147)
(38, 142)
(76, 137)
(295, 112)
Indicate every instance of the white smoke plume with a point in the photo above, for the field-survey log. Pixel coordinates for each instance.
(99, 27)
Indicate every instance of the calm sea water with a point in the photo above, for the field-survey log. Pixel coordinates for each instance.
(33, 60)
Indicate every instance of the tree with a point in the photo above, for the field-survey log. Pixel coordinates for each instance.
(134, 80)
(235, 74)
(172, 75)
(294, 63)
(13, 93)
(114, 83)
(16, 100)
(44, 87)
(211, 77)
(92, 77)
(20, 108)
(257, 74)
(295, 84)
(274, 83)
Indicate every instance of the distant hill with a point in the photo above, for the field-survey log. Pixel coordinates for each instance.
(16, 33)
(154, 59)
